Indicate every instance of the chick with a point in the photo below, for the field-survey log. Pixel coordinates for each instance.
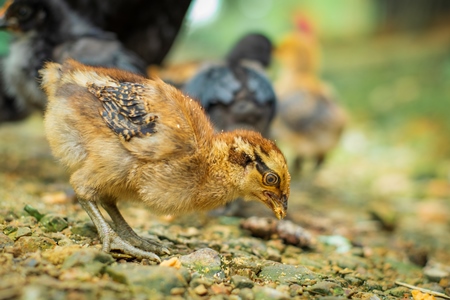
(124, 137)
(309, 120)
(47, 30)
(238, 94)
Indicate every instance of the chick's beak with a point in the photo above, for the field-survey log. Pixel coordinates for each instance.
(276, 203)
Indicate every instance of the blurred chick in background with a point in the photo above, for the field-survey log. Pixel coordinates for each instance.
(176, 74)
(148, 28)
(48, 30)
(238, 94)
(309, 120)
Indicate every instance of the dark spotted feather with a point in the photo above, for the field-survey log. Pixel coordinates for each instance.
(123, 109)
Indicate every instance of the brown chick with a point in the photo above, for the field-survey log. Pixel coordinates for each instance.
(124, 137)
(309, 119)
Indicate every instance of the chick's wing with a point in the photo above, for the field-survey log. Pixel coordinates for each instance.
(123, 109)
(143, 122)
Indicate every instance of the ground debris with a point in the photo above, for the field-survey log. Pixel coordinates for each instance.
(418, 290)
(33, 212)
(288, 231)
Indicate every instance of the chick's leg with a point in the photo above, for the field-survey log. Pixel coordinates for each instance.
(109, 238)
(126, 232)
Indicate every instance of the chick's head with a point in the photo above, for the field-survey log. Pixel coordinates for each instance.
(298, 51)
(265, 177)
(21, 16)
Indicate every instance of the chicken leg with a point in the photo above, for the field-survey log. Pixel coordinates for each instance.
(110, 239)
(127, 233)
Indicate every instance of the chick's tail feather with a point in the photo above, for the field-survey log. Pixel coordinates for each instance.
(50, 76)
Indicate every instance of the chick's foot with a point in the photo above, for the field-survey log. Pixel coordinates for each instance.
(114, 242)
(142, 243)
(110, 239)
(127, 233)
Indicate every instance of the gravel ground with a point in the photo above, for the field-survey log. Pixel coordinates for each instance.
(346, 237)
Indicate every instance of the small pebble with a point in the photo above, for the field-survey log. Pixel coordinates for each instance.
(241, 282)
(436, 273)
(54, 223)
(9, 229)
(177, 291)
(200, 290)
(220, 288)
(5, 241)
(23, 231)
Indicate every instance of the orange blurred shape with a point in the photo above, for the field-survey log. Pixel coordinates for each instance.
(438, 188)
(173, 262)
(418, 295)
(433, 211)
(177, 73)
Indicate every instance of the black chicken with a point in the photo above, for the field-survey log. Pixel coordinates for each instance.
(148, 28)
(48, 30)
(238, 94)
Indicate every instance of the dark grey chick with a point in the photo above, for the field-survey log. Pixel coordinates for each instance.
(238, 94)
(48, 30)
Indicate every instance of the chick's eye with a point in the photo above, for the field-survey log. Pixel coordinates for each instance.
(271, 179)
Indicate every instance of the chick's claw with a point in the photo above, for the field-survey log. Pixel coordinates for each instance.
(110, 239)
(114, 242)
(145, 244)
(126, 232)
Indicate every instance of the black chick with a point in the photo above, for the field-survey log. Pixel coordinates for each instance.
(238, 94)
(48, 30)
(148, 28)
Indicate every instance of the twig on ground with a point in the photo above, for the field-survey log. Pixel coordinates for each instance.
(413, 287)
